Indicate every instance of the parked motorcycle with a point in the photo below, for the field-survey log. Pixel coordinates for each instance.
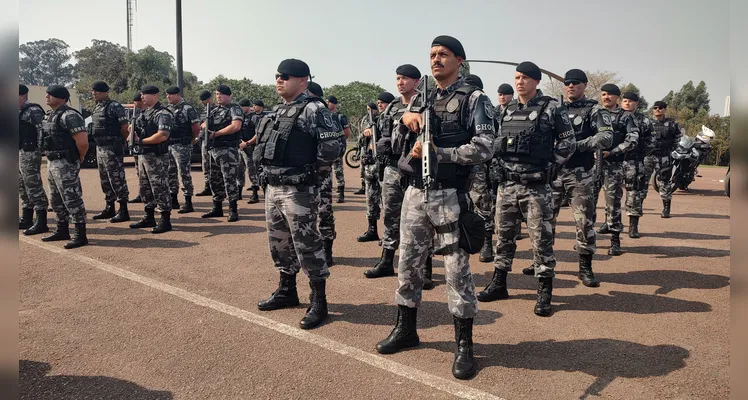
(687, 156)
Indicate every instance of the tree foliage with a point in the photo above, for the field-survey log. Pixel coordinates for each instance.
(45, 62)
(643, 105)
(353, 98)
(595, 82)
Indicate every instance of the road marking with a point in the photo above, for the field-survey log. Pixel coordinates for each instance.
(444, 385)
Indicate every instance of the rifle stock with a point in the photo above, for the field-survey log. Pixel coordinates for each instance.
(428, 155)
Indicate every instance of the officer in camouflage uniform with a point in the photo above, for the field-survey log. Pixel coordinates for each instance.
(337, 167)
(667, 134)
(535, 140)
(625, 138)
(65, 142)
(110, 130)
(258, 106)
(138, 108)
(290, 145)
(592, 131)
(155, 125)
(183, 134)
(30, 186)
(224, 124)
(207, 99)
(245, 134)
(633, 163)
(430, 216)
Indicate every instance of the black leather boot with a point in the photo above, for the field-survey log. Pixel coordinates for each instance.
(362, 190)
(545, 295)
(615, 244)
(385, 266)
(62, 232)
(107, 213)
(464, 366)
(634, 227)
(205, 192)
(404, 334)
(136, 199)
(496, 290)
(148, 221)
(164, 224)
(665, 209)
(371, 233)
(604, 229)
(529, 270)
(233, 212)
(585, 271)
(486, 252)
(254, 197)
(317, 311)
(341, 194)
(327, 245)
(284, 296)
(428, 271)
(27, 218)
(79, 237)
(175, 201)
(187, 206)
(40, 224)
(216, 211)
(123, 214)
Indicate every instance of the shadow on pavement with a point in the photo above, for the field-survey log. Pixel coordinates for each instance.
(684, 235)
(517, 281)
(705, 216)
(149, 241)
(676, 251)
(667, 280)
(36, 384)
(624, 302)
(430, 314)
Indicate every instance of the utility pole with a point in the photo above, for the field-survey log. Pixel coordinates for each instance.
(180, 72)
(130, 17)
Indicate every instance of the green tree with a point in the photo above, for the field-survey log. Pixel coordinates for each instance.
(103, 61)
(353, 98)
(692, 97)
(45, 62)
(595, 82)
(150, 66)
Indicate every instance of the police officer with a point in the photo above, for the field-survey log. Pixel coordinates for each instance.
(633, 163)
(462, 139)
(245, 133)
(224, 124)
(110, 130)
(184, 133)
(290, 199)
(667, 133)
(65, 142)
(342, 120)
(506, 95)
(258, 106)
(30, 186)
(138, 108)
(207, 100)
(625, 137)
(534, 141)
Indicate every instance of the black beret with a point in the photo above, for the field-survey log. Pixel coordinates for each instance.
(245, 103)
(223, 89)
(506, 88)
(474, 80)
(660, 103)
(530, 69)
(60, 92)
(259, 103)
(372, 105)
(137, 96)
(149, 89)
(408, 70)
(450, 43)
(173, 90)
(631, 96)
(575, 75)
(204, 95)
(22, 89)
(100, 86)
(293, 67)
(315, 89)
(332, 99)
(611, 89)
(386, 97)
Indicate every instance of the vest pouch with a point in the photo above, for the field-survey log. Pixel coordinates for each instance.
(519, 144)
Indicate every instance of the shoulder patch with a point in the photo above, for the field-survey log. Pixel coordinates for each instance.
(606, 118)
(489, 109)
(565, 118)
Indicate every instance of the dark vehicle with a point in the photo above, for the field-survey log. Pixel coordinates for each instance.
(687, 157)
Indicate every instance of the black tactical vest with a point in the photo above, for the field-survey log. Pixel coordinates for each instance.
(149, 125)
(57, 138)
(453, 129)
(521, 140)
(395, 110)
(665, 133)
(180, 129)
(619, 133)
(579, 115)
(28, 136)
(248, 128)
(220, 117)
(637, 153)
(103, 125)
(281, 143)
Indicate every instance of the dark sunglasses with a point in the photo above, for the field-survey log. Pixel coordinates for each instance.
(572, 83)
(657, 108)
(283, 77)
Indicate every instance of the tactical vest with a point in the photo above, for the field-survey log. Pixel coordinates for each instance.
(579, 115)
(220, 118)
(453, 129)
(57, 138)
(336, 120)
(665, 133)
(248, 128)
(180, 129)
(281, 143)
(149, 125)
(521, 140)
(103, 125)
(619, 134)
(28, 139)
(637, 153)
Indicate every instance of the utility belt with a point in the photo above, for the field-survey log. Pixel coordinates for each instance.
(180, 140)
(214, 144)
(525, 178)
(303, 176)
(27, 146)
(70, 155)
(157, 149)
(459, 184)
(107, 140)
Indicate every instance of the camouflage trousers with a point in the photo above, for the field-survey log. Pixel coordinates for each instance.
(205, 161)
(324, 203)
(337, 166)
(65, 191)
(373, 191)
(154, 181)
(535, 202)
(111, 164)
(393, 190)
(612, 185)
(30, 185)
(632, 173)
(482, 196)
(434, 222)
(223, 174)
(663, 167)
(180, 164)
(581, 184)
(294, 240)
(247, 166)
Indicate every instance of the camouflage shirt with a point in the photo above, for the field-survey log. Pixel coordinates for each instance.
(647, 135)
(624, 122)
(115, 110)
(600, 122)
(162, 116)
(33, 114)
(70, 120)
(184, 113)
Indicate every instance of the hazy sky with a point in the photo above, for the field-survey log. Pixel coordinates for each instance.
(657, 45)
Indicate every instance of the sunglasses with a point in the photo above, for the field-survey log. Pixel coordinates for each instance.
(283, 77)
(572, 83)
(657, 108)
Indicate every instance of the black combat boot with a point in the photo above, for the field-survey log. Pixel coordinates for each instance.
(123, 214)
(529, 270)
(404, 334)
(486, 252)
(327, 245)
(175, 201)
(604, 229)
(385, 266)
(464, 366)
(634, 227)
(254, 197)
(187, 206)
(216, 211)
(545, 295)
(148, 221)
(27, 218)
(428, 271)
(519, 231)
(585, 271)
(79, 237)
(362, 190)
(62, 232)
(107, 213)
(205, 192)
(233, 212)
(136, 199)
(341, 194)
(371, 233)
(284, 296)
(665, 209)
(496, 290)
(317, 311)
(40, 224)
(615, 244)
(164, 224)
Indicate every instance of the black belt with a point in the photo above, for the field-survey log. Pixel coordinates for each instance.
(28, 147)
(524, 178)
(181, 140)
(417, 182)
(53, 155)
(107, 140)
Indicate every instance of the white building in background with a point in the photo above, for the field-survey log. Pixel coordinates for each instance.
(727, 107)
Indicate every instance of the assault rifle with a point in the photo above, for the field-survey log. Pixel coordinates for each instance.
(428, 155)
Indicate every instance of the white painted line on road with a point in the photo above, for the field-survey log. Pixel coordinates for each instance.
(444, 385)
